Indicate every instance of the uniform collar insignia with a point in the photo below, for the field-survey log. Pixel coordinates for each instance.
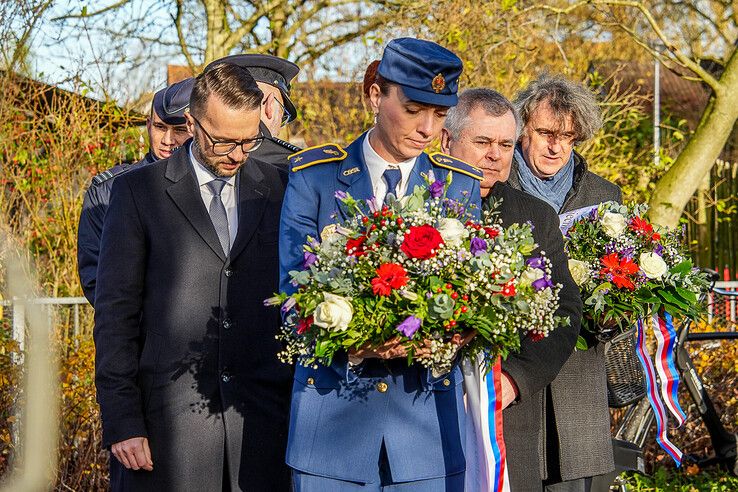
(349, 172)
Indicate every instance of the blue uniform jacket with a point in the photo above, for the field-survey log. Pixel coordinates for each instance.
(89, 233)
(341, 415)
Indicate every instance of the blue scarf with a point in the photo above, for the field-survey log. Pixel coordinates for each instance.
(551, 190)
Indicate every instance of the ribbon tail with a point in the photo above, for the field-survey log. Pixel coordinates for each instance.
(653, 397)
(497, 442)
(669, 376)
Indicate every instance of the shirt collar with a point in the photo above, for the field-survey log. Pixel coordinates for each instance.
(203, 174)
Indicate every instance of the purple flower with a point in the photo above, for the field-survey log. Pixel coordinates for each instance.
(659, 250)
(313, 243)
(308, 259)
(628, 252)
(542, 283)
(436, 189)
(409, 326)
(535, 262)
(288, 304)
(340, 194)
(478, 246)
(372, 204)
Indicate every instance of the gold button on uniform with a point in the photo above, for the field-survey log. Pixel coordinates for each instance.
(381, 386)
(310, 381)
(447, 382)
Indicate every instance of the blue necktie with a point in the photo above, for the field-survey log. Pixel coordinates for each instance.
(218, 214)
(392, 177)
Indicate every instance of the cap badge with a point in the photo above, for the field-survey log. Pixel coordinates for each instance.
(438, 83)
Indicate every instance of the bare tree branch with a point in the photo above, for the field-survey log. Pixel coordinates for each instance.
(84, 13)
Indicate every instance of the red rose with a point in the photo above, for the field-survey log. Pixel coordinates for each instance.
(304, 324)
(390, 276)
(421, 242)
(492, 232)
(357, 245)
(656, 236)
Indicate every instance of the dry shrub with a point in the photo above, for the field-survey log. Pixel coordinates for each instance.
(51, 143)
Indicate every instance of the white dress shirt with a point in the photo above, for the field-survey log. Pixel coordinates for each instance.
(377, 165)
(228, 195)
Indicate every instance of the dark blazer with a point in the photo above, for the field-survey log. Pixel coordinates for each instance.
(572, 418)
(537, 363)
(89, 232)
(186, 350)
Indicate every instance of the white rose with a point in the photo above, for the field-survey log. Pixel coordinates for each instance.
(579, 271)
(452, 231)
(334, 313)
(652, 265)
(613, 224)
(530, 275)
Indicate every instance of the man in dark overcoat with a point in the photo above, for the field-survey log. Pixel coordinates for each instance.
(192, 395)
(483, 130)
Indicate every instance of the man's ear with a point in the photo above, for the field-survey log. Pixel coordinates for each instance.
(190, 122)
(445, 141)
(269, 106)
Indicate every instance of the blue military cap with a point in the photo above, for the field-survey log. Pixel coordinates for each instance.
(269, 69)
(171, 102)
(426, 72)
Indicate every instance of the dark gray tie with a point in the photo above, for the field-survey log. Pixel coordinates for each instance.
(218, 214)
(392, 177)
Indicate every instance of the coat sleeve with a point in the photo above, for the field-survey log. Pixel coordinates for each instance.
(88, 240)
(119, 299)
(538, 363)
(299, 219)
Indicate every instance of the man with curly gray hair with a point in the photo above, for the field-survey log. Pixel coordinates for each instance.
(563, 430)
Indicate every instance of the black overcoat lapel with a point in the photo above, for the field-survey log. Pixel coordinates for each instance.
(253, 195)
(186, 196)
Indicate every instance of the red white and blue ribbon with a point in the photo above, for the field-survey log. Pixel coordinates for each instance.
(652, 392)
(669, 377)
(486, 469)
(494, 415)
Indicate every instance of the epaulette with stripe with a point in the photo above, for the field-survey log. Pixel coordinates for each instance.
(457, 165)
(110, 173)
(285, 144)
(316, 155)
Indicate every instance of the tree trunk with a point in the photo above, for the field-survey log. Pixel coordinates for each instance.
(677, 186)
(217, 30)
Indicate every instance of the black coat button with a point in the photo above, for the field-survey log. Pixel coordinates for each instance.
(228, 272)
(225, 376)
(227, 324)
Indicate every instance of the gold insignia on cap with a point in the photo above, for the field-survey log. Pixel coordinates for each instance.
(438, 83)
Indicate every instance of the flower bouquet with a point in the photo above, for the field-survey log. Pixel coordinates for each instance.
(421, 269)
(628, 269)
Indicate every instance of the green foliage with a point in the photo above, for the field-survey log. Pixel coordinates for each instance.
(673, 481)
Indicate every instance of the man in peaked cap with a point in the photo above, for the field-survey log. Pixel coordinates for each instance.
(274, 76)
(369, 421)
(167, 130)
